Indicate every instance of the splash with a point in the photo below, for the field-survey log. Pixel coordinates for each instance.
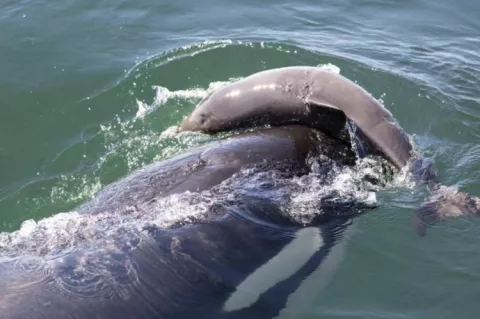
(163, 95)
(73, 189)
(330, 67)
(329, 186)
(71, 230)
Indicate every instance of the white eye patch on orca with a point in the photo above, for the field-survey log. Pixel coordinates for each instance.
(303, 297)
(283, 265)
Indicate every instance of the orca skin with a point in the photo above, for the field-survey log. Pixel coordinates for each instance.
(244, 260)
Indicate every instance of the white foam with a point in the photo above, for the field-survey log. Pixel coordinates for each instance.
(171, 131)
(302, 195)
(163, 95)
(344, 185)
(68, 230)
(142, 109)
(330, 67)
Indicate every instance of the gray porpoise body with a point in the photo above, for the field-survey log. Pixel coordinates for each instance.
(305, 95)
(324, 100)
(193, 270)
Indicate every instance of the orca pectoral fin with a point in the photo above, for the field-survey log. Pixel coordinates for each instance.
(444, 203)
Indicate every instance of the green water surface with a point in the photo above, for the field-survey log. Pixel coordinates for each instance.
(73, 74)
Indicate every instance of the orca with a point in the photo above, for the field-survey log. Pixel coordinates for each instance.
(245, 259)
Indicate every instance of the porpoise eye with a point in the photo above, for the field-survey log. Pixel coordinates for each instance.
(203, 118)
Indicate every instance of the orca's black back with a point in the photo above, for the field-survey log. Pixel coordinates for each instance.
(185, 273)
